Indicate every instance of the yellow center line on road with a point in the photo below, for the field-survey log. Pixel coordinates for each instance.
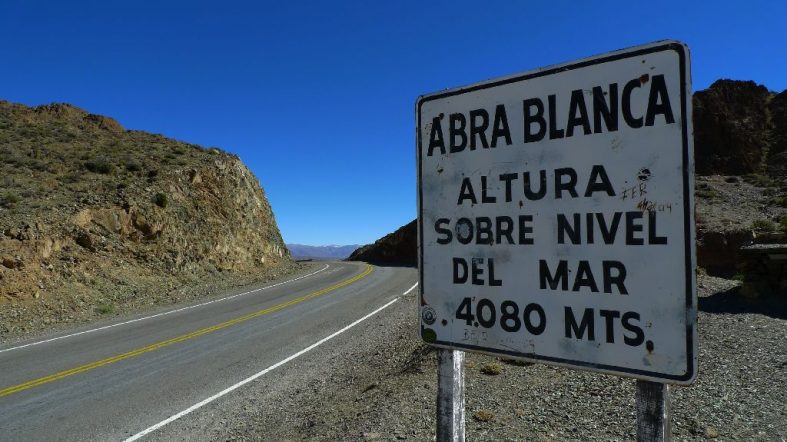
(158, 345)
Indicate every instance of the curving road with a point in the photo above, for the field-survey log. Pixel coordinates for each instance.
(127, 379)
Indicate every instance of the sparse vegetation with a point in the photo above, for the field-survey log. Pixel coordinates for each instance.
(703, 190)
(484, 416)
(105, 308)
(759, 180)
(161, 200)
(133, 166)
(9, 199)
(780, 201)
(100, 165)
(516, 362)
(70, 178)
(706, 193)
(492, 368)
(763, 225)
(783, 224)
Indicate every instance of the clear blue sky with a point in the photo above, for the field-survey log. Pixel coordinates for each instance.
(318, 97)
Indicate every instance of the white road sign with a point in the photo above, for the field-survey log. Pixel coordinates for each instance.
(556, 215)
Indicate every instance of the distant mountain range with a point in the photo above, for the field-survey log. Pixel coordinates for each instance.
(302, 251)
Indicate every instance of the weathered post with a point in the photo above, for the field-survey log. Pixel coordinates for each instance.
(450, 395)
(653, 412)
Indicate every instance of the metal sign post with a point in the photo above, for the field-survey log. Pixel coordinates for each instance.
(653, 412)
(450, 395)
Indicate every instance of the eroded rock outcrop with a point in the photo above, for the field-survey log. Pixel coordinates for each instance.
(740, 129)
(399, 247)
(731, 127)
(777, 154)
(88, 209)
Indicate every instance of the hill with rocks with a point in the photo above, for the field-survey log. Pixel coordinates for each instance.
(740, 128)
(95, 218)
(740, 151)
(399, 247)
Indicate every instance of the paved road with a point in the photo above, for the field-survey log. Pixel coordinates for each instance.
(113, 383)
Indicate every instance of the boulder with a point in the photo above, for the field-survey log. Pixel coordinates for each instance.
(764, 269)
(718, 252)
(9, 262)
(85, 240)
(731, 128)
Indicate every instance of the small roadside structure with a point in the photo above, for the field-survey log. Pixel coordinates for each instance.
(764, 269)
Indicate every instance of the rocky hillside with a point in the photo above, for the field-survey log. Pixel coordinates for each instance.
(399, 247)
(740, 144)
(731, 123)
(94, 217)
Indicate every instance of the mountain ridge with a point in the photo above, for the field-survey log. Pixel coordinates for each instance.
(332, 251)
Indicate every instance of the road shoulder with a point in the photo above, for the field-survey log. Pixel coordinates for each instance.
(379, 382)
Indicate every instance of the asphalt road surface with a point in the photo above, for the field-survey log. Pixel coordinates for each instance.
(131, 377)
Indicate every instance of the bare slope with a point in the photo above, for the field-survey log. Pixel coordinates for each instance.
(398, 247)
(94, 217)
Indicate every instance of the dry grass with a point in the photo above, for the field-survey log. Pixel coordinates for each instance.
(491, 368)
(484, 416)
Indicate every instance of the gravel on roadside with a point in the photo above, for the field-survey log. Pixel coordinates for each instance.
(378, 382)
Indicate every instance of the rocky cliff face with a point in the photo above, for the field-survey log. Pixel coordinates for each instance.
(91, 211)
(777, 155)
(399, 247)
(731, 123)
(740, 127)
(740, 130)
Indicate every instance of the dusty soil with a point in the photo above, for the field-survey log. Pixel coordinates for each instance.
(728, 203)
(733, 212)
(378, 382)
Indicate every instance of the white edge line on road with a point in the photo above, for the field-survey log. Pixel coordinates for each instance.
(226, 298)
(263, 372)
